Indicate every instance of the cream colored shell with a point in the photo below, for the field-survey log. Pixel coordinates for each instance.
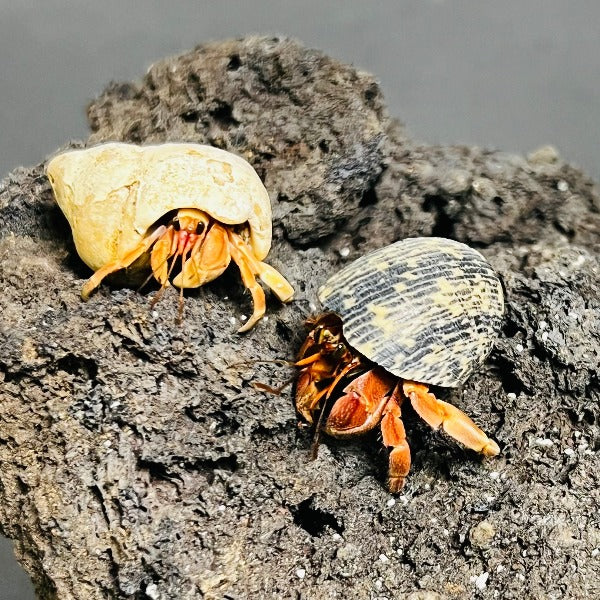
(112, 194)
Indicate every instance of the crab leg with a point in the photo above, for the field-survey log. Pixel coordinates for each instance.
(269, 276)
(307, 393)
(164, 282)
(394, 436)
(329, 389)
(164, 248)
(308, 400)
(362, 405)
(121, 263)
(343, 372)
(308, 360)
(452, 420)
(249, 280)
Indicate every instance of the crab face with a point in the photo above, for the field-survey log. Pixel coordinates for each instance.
(192, 208)
(419, 312)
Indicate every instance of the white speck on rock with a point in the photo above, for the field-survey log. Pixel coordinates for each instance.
(243, 318)
(519, 348)
(494, 475)
(562, 186)
(152, 591)
(480, 581)
(544, 442)
(383, 558)
(391, 502)
(569, 452)
(543, 324)
(300, 573)
(595, 552)
(232, 320)
(344, 252)
(544, 336)
(511, 395)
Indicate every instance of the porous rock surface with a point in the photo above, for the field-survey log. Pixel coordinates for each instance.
(137, 460)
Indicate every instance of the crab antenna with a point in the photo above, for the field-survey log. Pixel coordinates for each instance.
(180, 307)
(276, 391)
(163, 287)
(151, 276)
(248, 363)
(314, 446)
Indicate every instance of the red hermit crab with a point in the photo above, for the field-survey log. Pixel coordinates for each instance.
(420, 312)
(186, 209)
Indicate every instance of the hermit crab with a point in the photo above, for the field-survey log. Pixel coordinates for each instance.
(190, 204)
(420, 312)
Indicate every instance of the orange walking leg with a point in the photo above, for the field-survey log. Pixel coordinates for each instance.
(394, 436)
(452, 420)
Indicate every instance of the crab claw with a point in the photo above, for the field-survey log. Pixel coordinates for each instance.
(208, 259)
(362, 405)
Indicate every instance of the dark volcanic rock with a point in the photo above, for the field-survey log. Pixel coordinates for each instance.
(137, 460)
(311, 126)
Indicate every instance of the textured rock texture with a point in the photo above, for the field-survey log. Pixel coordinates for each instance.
(137, 461)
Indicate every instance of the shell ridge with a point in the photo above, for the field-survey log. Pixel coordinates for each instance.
(423, 308)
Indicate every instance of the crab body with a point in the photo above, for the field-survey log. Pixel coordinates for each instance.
(420, 312)
(195, 203)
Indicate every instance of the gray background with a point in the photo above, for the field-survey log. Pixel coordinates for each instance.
(512, 75)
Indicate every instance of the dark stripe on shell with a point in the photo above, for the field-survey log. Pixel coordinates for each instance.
(425, 309)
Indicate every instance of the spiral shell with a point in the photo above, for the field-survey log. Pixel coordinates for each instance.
(425, 309)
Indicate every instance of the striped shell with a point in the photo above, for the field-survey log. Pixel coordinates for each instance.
(425, 309)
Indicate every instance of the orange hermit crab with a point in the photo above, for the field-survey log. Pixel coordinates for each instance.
(420, 312)
(190, 204)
